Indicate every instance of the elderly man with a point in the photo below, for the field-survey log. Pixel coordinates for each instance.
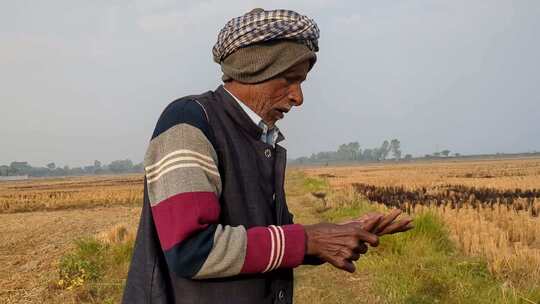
(215, 227)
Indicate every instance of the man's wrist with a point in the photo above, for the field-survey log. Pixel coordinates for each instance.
(310, 259)
(295, 250)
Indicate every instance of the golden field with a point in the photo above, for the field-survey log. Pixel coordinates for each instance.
(41, 218)
(490, 207)
(73, 192)
(69, 240)
(498, 174)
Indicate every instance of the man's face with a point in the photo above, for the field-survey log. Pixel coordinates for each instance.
(277, 96)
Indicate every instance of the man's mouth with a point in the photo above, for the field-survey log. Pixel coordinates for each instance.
(282, 111)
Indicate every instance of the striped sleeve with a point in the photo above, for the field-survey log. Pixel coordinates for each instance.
(184, 186)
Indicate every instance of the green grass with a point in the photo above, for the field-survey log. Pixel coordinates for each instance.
(94, 272)
(423, 266)
(315, 184)
(85, 263)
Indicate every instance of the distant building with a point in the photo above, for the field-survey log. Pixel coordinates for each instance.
(13, 178)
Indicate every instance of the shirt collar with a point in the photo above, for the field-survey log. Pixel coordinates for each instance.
(269, 136)
(254, 116)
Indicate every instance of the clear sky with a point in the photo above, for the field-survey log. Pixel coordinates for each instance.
(85, 80)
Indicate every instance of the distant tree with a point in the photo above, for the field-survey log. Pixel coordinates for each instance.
(408, 157)
(89, 169)
(4, 170)
(302, 160)
(20, 167)
(97, 164)
(348, 151)
(395, 148)
(354, 150)
(369, 155)
(121, 166)
(98, 167)
(343, 152)
(39, 171)
(437, 154)
(445, 153)
(51, 166)
(76, 171)
(60, 172)
(138, 167)
(457, 154)
(321, 156)
(384, 150)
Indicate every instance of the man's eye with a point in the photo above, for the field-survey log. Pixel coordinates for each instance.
(291, 79)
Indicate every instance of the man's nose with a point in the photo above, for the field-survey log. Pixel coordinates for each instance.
(295, 95)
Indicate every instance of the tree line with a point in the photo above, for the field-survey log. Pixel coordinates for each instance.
(115, 167)
(352, 152)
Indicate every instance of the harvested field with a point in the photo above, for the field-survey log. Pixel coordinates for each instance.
(508, 174)
(70, 193)
(41, 218)
(477, 240)
(491, 207)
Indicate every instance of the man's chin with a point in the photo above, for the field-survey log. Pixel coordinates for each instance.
(271, 124)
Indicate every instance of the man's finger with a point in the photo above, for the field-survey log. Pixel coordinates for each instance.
(346, 253)
(361, 249)
(372, 222)
(364, 218)
(395, 227)
(406, 228)
(348, 266)
(367, 237)
(387, 220)
(354, 256)
(370, 215)
(342, 263)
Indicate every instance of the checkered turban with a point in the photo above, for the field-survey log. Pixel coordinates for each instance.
(260, 25)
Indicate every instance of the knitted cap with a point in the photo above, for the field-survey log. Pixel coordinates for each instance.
(262, 61)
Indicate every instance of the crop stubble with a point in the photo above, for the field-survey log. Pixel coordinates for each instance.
(491, 208)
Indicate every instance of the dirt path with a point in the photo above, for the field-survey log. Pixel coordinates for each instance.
(324, 284)
(31, 244)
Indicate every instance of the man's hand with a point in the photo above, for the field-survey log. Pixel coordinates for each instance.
(340, 244)
(387, 224)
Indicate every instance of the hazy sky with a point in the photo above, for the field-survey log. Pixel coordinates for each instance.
(84, 80)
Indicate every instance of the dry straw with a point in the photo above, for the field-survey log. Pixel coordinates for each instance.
(505, 230)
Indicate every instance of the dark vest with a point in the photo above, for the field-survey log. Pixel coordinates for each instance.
(253, 175)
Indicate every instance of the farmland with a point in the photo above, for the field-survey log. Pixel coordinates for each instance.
(41, 219)
(477, 235)
(490, 208)
(70, 193)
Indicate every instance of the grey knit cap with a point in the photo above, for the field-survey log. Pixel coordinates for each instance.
(261, 44)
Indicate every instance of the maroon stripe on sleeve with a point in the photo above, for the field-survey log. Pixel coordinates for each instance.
(258, 250)
(289, 250)
(295, 246)
(180, 215)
